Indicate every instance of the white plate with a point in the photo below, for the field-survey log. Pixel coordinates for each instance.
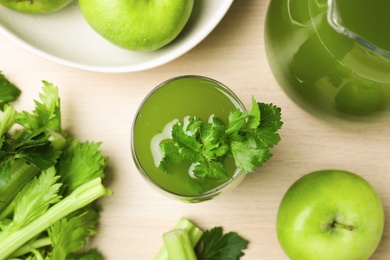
(66, 38)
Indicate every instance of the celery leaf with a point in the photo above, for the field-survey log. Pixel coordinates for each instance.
(8, 91)
(47, 111)
(69, 235)
(80, 163)
(214, 245)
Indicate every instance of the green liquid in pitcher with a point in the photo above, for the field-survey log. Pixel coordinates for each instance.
(325, 72)
(368, 19)
(178, 99)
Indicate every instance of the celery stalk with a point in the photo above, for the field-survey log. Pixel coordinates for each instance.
(194, 233)
(79, 198)
(21, 174)
(178, 244)
(30, 246)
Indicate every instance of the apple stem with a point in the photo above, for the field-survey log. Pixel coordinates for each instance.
(347, 227)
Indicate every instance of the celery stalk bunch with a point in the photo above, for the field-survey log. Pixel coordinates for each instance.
(49, 181)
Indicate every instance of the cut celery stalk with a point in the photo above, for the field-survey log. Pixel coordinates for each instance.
(79, 198)
(194, 233)
(178, 244)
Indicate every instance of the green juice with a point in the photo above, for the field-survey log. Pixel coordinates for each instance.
(368, 19)
(321, 67)
(176, 100)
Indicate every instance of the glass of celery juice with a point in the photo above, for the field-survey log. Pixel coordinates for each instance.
(175, 100)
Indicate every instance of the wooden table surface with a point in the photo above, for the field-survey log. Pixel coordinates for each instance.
(101, 106)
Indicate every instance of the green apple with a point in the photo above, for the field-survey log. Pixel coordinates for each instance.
(330, 214)
(36, 6)
(138, 25)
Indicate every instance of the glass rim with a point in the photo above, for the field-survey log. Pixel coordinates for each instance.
(237, 173)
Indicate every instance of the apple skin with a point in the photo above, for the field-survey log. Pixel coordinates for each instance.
(137, 25)
(36, 6)
(315, 202)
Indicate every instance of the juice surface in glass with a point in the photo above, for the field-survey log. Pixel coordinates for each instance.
(182, 97)
(334, 63)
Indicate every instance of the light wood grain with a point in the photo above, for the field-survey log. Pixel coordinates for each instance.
(101, 107)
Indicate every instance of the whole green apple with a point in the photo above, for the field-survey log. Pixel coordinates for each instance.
(139, 25)
(36, 6)
(330, 214)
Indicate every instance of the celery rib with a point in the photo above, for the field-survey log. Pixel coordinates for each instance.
(194, 233)
(178, 244)
(41, 242)
(79, 198)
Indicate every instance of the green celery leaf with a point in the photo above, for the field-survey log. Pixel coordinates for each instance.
(201, 170)
(211, 169)
(266, 138)
(221, 150)
(35, 147)
(214, 139)
(8, 91)
(28, 121)
(80, 163)
(171, 156)
(33, 142)
(193, 127)
(270, 117)
(207, 136)
(247, 155)
(43, 156)
(189, 145)
(47, 113)
(254, 116)
(7, 119)
(69, 235)
(237, 119)
(35, 198)
(215, 245)
(213, 134)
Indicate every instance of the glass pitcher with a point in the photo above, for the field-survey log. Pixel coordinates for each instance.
(332, 57)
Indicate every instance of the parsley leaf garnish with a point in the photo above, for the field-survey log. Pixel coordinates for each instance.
(214, 245)
(247, 138)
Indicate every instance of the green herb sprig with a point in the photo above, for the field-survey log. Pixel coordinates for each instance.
(247, 138)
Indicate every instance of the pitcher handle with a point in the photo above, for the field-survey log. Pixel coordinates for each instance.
(335, 21)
